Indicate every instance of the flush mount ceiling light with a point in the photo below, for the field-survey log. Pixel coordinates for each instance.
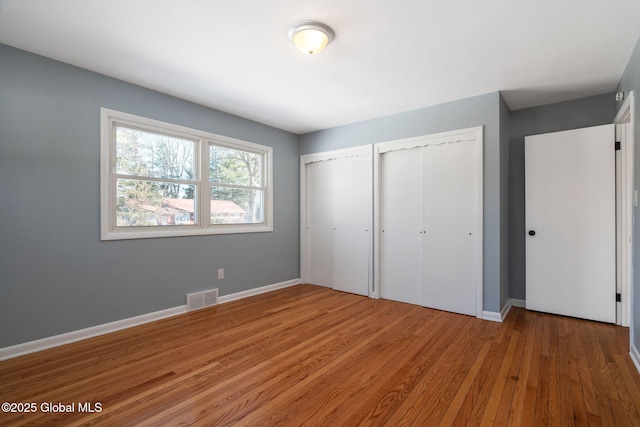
(310, 37)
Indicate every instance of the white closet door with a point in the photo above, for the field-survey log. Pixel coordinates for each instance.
(401, 220)
(449, 222)
(352, 224)
(320, 223)
(570, 220)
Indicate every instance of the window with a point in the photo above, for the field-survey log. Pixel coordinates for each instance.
(161, 180)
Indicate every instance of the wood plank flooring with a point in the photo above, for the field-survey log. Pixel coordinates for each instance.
(308, 355)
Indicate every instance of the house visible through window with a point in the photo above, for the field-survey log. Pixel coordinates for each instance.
(154, 176)
(236, 185)
(159, 179)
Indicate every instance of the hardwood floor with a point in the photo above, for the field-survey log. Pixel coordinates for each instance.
(307, 355)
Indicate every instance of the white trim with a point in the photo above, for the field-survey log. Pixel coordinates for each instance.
(499, 317)
(635, 357)
(362, 150)
(304, 264)
(468, 134)
(491, 315)
(624, 198)
(258, 291)
(82, 334)
(480, 220)
(505, 310)
(377, 213)
(515, 302)
(202, 140)
(94, 331)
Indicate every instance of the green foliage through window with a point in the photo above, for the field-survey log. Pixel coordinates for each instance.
(159, 179)
(170, 160)
(236, 177)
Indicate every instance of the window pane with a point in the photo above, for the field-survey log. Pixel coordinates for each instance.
(149, 203)
(236, 206)
(235, 167)
(154, 155)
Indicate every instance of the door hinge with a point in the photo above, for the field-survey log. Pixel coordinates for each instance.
(618, 297)
(617, 145)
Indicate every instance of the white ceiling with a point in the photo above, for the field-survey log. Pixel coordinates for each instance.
(387, 56)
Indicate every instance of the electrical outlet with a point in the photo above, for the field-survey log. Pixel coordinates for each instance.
(220, 273)
(619, 96)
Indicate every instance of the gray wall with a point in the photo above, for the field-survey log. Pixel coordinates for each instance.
(592, 111)
(470, 112)
(56, 275)
(630, 81)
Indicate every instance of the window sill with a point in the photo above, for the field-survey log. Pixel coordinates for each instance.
(182, 231)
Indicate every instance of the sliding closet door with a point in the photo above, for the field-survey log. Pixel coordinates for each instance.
(429, 208)
(337, 219)
(401, 225)
(352, 206)
(449, 218)
(319, 223)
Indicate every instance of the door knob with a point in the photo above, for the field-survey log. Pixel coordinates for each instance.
(532, 233)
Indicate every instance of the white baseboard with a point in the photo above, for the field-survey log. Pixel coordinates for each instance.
(499, 317)
(82, 334)
(518, 303)
(491, 315)
(258, 291)
(505, 310)
(635, 356)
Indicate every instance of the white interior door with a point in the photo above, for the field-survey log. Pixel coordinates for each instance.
(352, 224)
(401, 225)
(449, 218)
(319, 223)
(570, 220)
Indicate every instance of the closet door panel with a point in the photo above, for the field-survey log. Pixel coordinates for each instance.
(320, 223)
(401, 224)
(352, 224)
(449, 218)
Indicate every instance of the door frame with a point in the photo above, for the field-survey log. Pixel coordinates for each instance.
(625, 201)
(305, 159)
(474, 133)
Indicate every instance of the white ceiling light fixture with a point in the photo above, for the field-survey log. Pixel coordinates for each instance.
(310, 37)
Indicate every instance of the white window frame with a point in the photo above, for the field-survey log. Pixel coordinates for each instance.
(109, 119)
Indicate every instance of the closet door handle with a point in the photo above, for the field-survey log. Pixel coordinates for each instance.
(532, 233)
